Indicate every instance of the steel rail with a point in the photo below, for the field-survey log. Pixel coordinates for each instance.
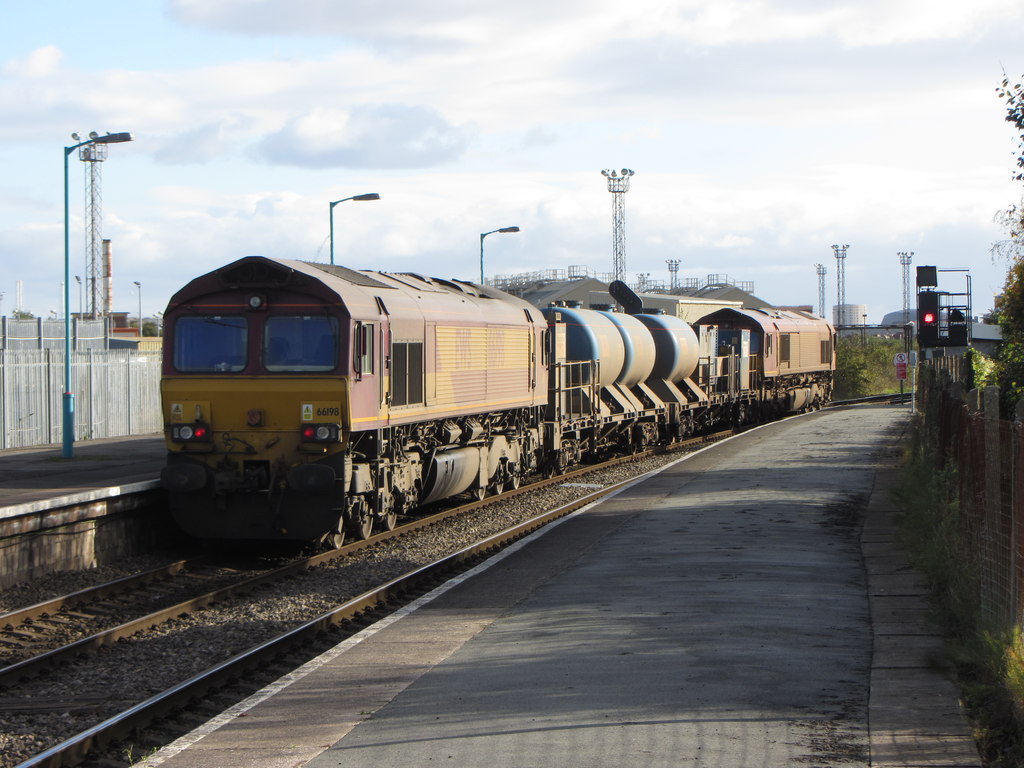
(82, 596)
(404, 587)
(893, 397)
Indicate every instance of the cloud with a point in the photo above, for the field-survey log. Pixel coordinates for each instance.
(404, 21)
(378, 136)
(868, 23)
(200, 144)
(42, 62)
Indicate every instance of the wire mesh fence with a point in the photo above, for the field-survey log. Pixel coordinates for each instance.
(986, 454)
(116, 393)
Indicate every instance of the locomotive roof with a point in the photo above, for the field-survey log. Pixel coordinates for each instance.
(343, 282)
(770, 318)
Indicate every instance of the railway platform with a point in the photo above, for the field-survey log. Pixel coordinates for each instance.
(31, 477)
(750, 605)
(60, 514)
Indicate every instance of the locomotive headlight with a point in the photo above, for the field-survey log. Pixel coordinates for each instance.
(320, 433)
(197, 432)
(257, 302)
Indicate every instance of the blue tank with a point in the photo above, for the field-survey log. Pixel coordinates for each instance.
(591, 335)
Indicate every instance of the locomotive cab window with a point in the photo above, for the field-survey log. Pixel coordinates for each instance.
(300, 343)
(784, 345)
(210, 344)
(363, 349)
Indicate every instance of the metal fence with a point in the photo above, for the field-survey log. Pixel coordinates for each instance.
(987, 454)
(117, 393)
(41, 333)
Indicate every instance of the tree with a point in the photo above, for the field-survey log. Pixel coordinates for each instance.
(1009, 305)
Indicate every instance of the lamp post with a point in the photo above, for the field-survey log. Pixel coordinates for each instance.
(79, 281)
(139, 286)
(330, 211)
(482, 236)
(68, 423)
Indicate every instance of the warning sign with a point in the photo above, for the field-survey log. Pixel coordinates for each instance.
(307, 411)
(900, 361)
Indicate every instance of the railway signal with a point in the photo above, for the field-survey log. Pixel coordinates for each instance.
(928, 318)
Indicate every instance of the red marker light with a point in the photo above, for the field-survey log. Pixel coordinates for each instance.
(199, 433)
(309, 433)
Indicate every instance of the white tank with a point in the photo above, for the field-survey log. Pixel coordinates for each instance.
(638, 347)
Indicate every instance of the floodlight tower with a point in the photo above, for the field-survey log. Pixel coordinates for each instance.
(840, 252)
(905, 258)
(93, 154)
(673, 271)
(618, 185)
(822, 271)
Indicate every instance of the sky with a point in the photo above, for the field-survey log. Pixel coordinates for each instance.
(761, 132)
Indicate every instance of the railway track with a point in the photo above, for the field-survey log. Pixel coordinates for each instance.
(196, 644)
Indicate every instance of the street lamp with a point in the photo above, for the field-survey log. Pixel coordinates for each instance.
(79, 281)
(139, 286)
(330, 211)
(482, 236)
(68, 424)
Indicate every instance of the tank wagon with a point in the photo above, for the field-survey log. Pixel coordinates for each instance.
(306, 401)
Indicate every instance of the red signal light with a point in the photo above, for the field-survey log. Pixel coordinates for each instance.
(928, 318)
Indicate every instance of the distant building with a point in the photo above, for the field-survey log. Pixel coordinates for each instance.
(850, 314)
(582, 287)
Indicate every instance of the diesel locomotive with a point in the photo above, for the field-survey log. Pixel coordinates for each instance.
(309, 401)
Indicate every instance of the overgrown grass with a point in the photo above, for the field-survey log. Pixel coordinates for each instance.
(989, 660)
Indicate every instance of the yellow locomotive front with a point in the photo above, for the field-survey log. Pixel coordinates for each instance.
(256, 404)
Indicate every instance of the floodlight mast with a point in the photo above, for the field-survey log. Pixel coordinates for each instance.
(618, 185)
(68, 419)
(840, 254)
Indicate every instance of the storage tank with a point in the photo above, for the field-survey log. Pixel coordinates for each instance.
(591, 335)
(675, 344)
(638, 348)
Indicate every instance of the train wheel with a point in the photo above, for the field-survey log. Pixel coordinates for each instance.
(363, 528)
(359, 518)
(512, 483)
(333, 540)
(389, 521)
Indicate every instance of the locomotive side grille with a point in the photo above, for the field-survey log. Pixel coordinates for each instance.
(406, 372)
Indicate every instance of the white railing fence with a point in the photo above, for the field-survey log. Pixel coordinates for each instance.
(117, 393)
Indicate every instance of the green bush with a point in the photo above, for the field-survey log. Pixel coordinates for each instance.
(864, 366)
